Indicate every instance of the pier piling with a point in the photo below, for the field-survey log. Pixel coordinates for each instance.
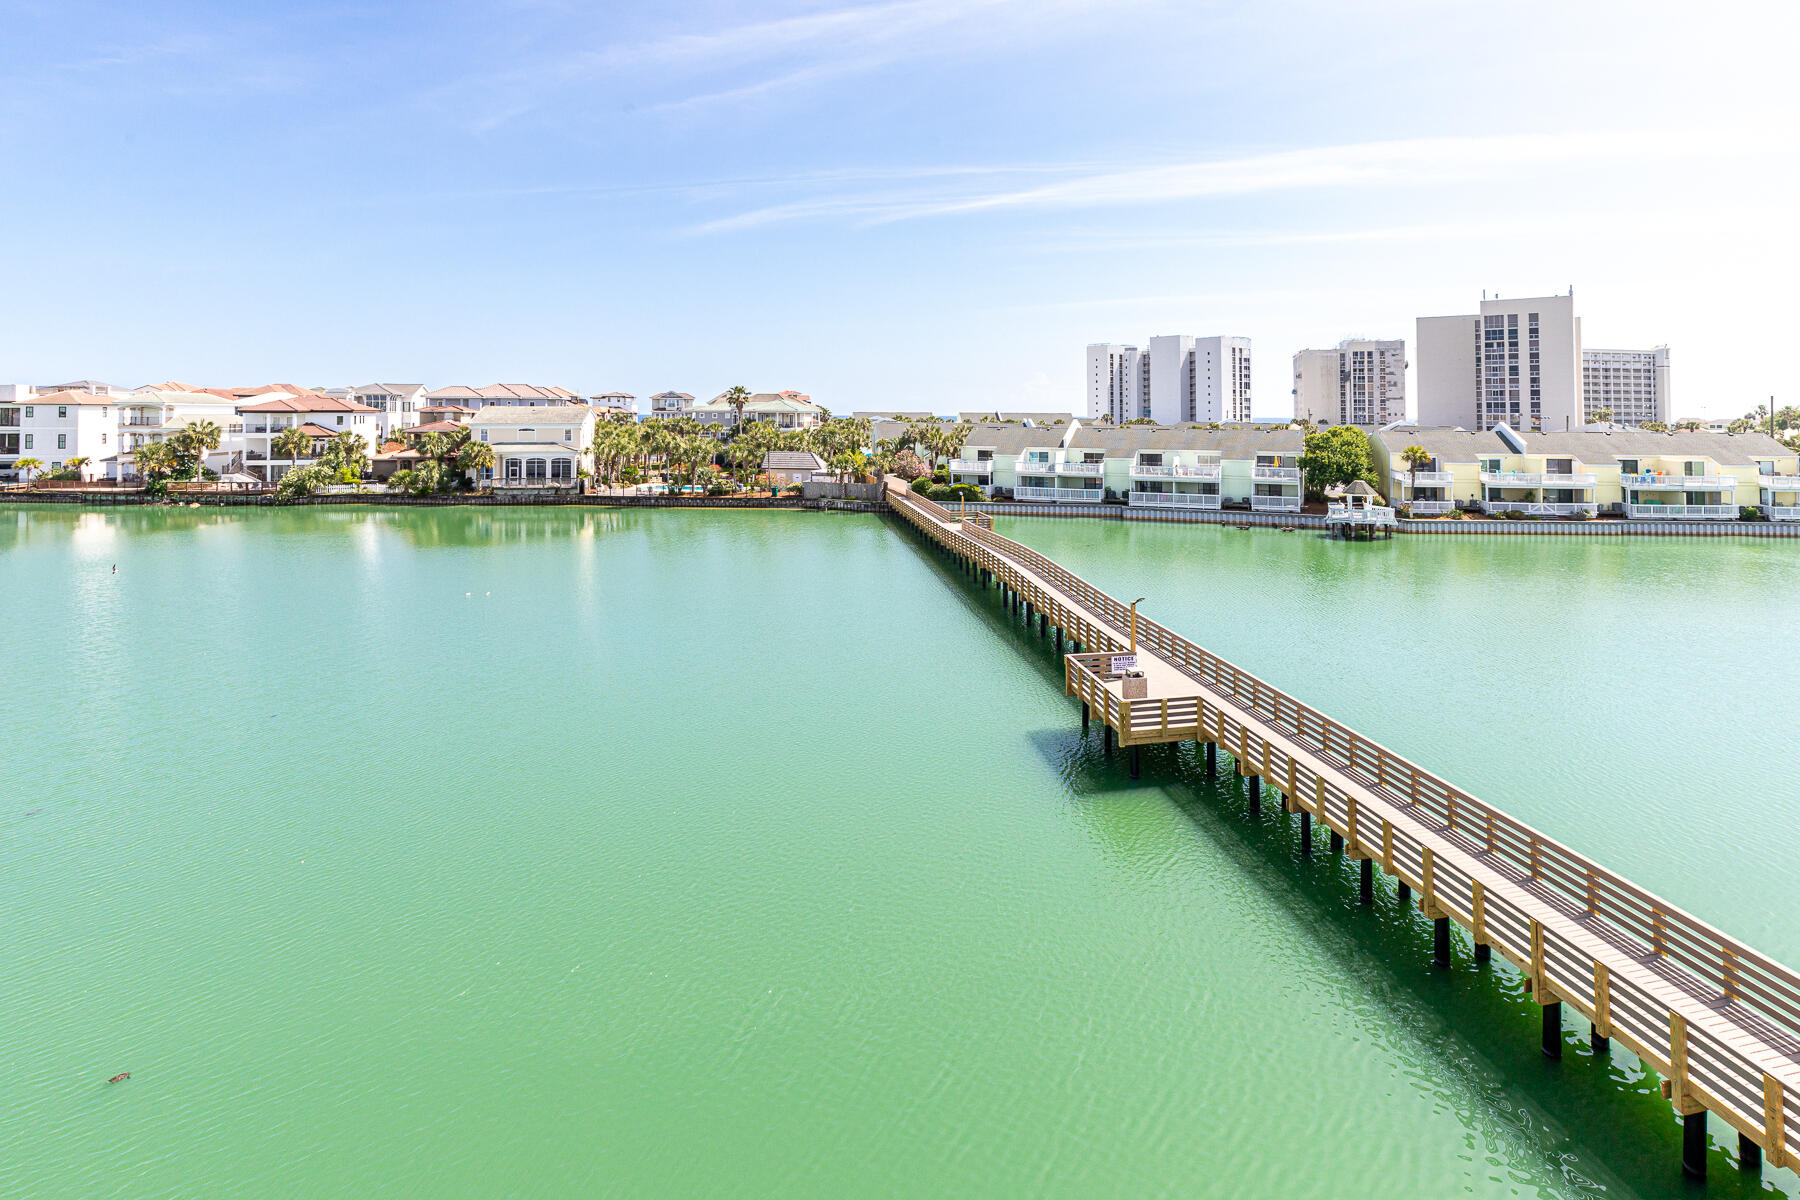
(1337, 842)
(1255, 786)
(1404, 890)
(1306, 832)
(1133, 761)
(1749, 1155)
(1366, 889)
(1212, 760)
(1693, 1144)
(1552, 1039)
(1600, 1042)
(1440, 941)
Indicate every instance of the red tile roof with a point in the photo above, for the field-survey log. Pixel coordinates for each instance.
(306, 402)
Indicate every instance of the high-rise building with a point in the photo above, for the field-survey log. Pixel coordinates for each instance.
(1633, 385)
(1516, 362)
(1178, 378)
(1362, 382)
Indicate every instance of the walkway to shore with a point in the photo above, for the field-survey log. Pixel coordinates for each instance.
(1718, 1021)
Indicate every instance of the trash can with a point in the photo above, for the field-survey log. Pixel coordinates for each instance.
(1133, 686)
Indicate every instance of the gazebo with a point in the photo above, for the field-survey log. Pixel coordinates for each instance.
(1357, 506)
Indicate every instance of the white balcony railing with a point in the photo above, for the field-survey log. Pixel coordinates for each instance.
(1373, 515)
(1684, 512)
(1081, 468)
(971, 466)
(1537, 479)
(1275, 474)
(1430, 508)
(1176, 499)
(1781, 512)
(1534, 508)
(1274, 504)
(1679, 483)
(1424, 478)
(1150, 471)
(1779, 483)
(1058, 493)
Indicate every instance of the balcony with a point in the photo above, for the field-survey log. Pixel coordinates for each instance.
(1209, 500)
(1424, 478)
(1781, 512)
(1683, 512)
(1337, 513)
(1538, 479)
(1430, 508)
(971, 466)
(1090, 495)
(1532, 508)
(1095, 469)
(1275, 504)
(1146, 471)
(1275, 474)
(1679, 483)
(1779, 483)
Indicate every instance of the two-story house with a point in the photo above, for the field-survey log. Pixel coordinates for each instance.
(324, 417)
(536, 447)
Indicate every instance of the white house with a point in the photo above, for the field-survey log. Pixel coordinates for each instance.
(54, 427)
(527, 395)
(158, 413)
(325, 417)
(536, 446)
(670, 404)
(398, 404)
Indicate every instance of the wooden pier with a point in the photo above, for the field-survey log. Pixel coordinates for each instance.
(1718, 1021)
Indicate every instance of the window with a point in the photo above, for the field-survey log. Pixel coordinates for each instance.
(568, 435)
(341, 418)
(62, 441)
(103, 439)
(62, 412)
(28, 410)
(28, 437)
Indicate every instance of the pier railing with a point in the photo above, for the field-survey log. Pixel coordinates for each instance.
(1719, 1021)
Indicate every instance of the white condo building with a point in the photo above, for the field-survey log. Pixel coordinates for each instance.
(1632, 384)
(1516, 362)
(1362, 382)
(1177, 378)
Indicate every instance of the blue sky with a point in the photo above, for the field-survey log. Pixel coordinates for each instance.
(915, 204)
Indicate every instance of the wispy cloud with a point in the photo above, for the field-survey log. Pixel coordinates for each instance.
(742, 63)
(1409, 163)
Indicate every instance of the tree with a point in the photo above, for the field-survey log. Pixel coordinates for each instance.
(737, 397)
(347, 456)
(909, 466)
(292, 442)
(304, 481)
(1689, 426)
(29, 467)
(1601, 416)
(75, 464)
(156, 461)
(193, 442)
(1654, 427)
(1414, 457)
(475, 457)
(1335, 456)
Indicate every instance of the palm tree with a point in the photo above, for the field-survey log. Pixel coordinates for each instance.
(75, 464)
(29, 467)
(1414, 457)
(475, 457)
(293, 442)
(737, 397)
(155, 460)
(1602, 416)
(198, 438)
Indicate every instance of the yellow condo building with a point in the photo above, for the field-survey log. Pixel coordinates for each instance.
(1625, 473)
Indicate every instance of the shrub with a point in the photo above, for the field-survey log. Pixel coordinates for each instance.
(908, 465)
(718, 489)
(1513, 514)
(966, 491)
(1581, 514)
(1751, 512)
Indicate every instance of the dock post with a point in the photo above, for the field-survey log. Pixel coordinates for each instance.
(1405, 891)
(1212, 759)
(1552, 1039)
(1106, 740)
(1600, 1043)
(1366, 892)
(1693, 1144)
(1043, 624)
(1749, 1155)
(1440, 941)
(1084, 716)
(1337, 842)
(1256, 793)
(1059, 648)
(1483, 952)
(1306, 832)
(1133, 760)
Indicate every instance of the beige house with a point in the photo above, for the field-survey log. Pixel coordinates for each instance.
(536, 447)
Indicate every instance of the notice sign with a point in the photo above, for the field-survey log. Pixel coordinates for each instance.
(1122, 663)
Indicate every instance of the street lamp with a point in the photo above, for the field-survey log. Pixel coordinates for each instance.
(1134, 605)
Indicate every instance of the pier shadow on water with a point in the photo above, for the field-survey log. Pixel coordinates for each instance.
(1597, 1121)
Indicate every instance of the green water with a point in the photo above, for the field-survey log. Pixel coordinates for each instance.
(486, 853)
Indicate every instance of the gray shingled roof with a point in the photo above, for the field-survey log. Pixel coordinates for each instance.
(1233, 441)
(792, 460)
(1730, 449)
(1446, 443)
